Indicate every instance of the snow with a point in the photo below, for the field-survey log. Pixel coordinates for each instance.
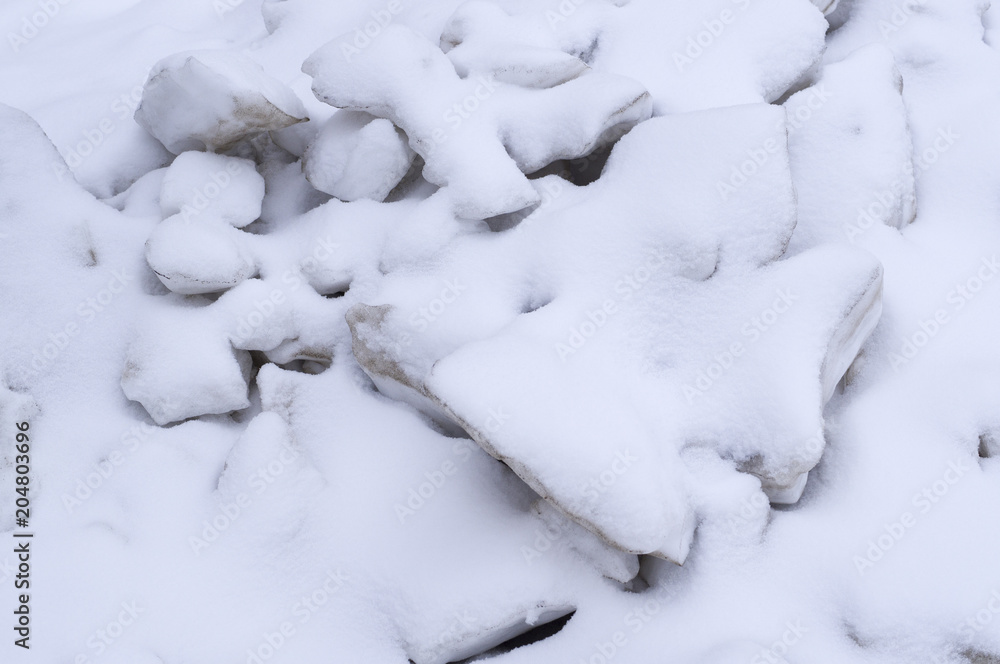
(356, 155)
(212, 99)
(220, 187)
(158, 369)
(850, 148)
(476, 136)
(302, 389)
(198, 257)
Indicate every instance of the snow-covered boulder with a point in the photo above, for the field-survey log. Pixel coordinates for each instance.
(202, 256)
(478, 136)
(217, 186)
(356, 155)
(589, 354)
(177, 368)
(198, 100)
(482, 39)
(851, 152)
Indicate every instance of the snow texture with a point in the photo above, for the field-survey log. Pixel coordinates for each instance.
(553, 331)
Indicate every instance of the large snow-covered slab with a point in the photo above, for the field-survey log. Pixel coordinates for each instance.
(623, 331)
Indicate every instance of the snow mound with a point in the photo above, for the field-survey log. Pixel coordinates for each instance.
(211, 100)
(477, 136)
(587, 355)
(689, 56)
(482, 39)
(851, 151)
(177, 368)
(693, 56)
(217, 186)
(356, 155)
(203, 256)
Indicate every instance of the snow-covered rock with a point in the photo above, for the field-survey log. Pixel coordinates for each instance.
(609, 349)
(176, 368)
(217, 186)
(212, 99)
(482, 39)
(200, 256)
(689, 56)
(477, 136)
(356, 155)
(851, 152)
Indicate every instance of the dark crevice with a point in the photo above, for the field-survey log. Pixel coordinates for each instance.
(979, 657)
(587, 54)
(306, 366)
(333, 289)
(535, 303)
(336, 293)
(532, 636)
(505, 222)
(988, 446)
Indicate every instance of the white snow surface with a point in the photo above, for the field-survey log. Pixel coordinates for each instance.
(505, 393)
(357, 155)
